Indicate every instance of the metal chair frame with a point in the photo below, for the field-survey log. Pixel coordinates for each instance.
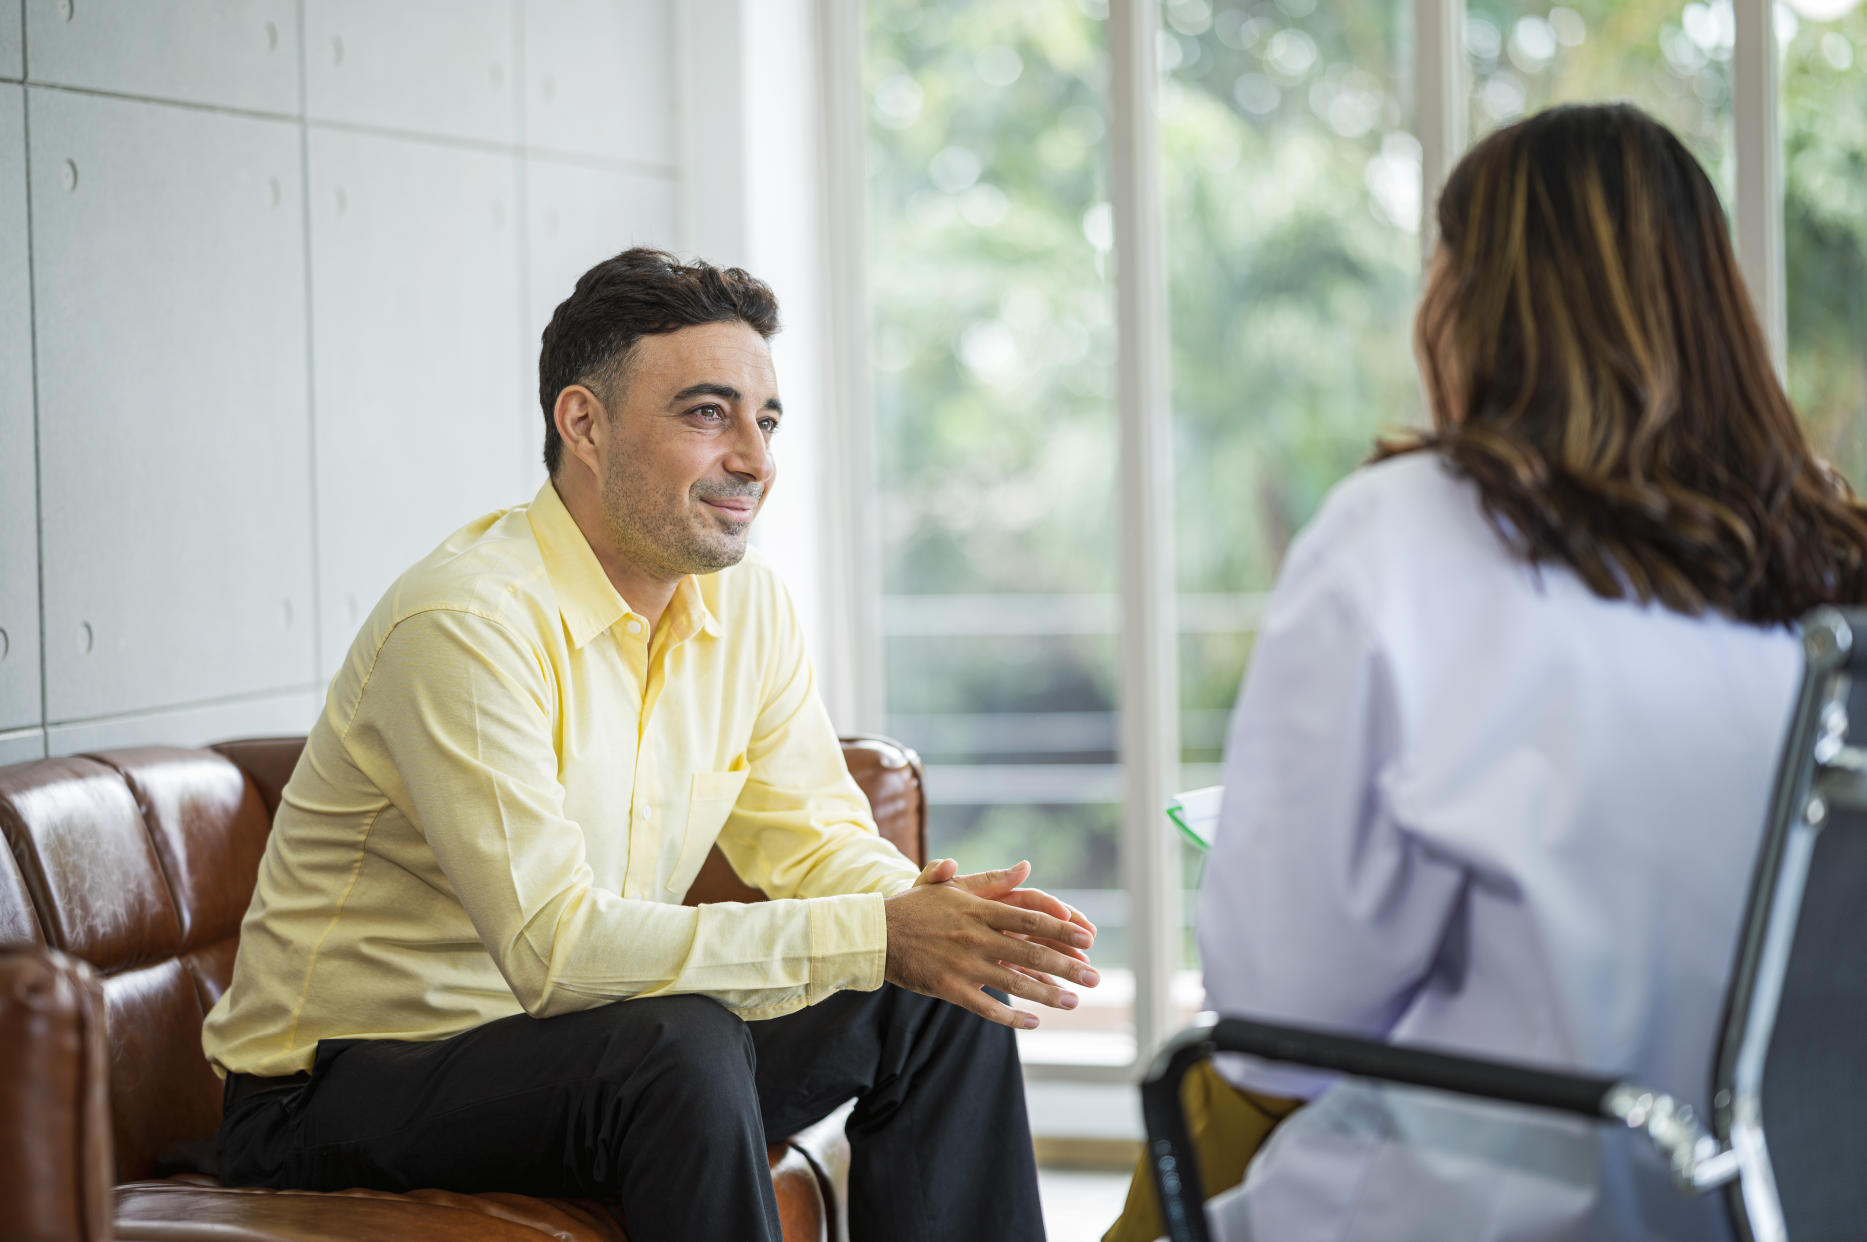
(1819, 771)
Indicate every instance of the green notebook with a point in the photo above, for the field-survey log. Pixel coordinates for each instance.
(1196, 814)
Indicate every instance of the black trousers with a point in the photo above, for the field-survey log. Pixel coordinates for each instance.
(665, 1106)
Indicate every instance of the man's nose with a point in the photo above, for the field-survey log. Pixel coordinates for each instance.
(751, 453)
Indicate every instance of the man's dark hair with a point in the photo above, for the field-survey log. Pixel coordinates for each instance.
(640, 292)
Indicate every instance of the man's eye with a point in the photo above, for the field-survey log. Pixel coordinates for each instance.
(708, 411)
(769, 424)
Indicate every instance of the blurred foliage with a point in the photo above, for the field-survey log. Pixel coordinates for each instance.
(1824, 129)
(1291, 184)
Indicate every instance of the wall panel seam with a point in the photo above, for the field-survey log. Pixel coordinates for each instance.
(260, 114)
(32, 353)
(603, 163)
(224, 700)
(522, 194)
(584, 159)
(455, 141)
(311, 374)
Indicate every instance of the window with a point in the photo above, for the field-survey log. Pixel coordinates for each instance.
(1293, 182)
(989, 261)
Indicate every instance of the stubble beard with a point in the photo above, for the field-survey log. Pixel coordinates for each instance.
(659, 538)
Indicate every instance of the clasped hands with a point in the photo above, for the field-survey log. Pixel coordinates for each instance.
(953, 935)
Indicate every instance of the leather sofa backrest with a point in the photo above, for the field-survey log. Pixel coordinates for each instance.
(142, 863)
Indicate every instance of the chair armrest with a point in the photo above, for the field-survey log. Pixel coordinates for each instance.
(1170, 1153)
(56, 1160)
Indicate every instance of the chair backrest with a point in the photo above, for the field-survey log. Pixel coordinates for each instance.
(1790, 1089)
(142, 863)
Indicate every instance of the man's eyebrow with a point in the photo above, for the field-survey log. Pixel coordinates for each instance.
(725, 392)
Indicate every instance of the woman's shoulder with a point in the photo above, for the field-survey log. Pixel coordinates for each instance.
(1401, 533)
(1399, 502)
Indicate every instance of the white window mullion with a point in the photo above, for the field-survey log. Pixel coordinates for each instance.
(854, 552)
(1439, 103)
(1756, 99)
(1150, 733)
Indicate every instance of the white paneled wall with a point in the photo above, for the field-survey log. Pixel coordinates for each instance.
(415, 305)
(12, 58)
(169, 304)
(440, 67)
(242, 54)
(595, 81)
(272, 274)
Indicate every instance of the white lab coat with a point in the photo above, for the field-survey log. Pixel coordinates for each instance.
(1469, 804)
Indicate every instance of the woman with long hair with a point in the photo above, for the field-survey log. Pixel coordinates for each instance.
(1499, 768)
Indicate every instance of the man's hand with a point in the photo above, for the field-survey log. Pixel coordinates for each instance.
(950, 936)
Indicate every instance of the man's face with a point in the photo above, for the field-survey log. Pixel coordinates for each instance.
(689, 459)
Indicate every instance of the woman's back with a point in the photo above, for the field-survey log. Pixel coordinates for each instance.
(1472, 804)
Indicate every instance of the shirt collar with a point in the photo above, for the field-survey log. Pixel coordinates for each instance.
(688, 613)
(587, 599)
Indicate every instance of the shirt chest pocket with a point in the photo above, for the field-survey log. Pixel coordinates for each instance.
(709, 802)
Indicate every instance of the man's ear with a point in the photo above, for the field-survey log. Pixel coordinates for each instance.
(582, 423)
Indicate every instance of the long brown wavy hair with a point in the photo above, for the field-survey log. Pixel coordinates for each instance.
(1593, 364)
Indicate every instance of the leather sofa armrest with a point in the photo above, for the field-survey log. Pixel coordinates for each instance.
(55, 1147)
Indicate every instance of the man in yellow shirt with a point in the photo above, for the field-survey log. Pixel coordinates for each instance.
(466, 964)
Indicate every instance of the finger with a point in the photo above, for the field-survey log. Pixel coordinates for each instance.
(1032, 956)
(1068, 950)
(1032, 924)
(975, 999)
(1031, 973)
(939, 871)
(1042, 902)
(1037, 899)
(1029, 985)
(994, 884)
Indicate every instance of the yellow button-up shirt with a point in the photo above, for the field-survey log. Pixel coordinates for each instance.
(513, 783)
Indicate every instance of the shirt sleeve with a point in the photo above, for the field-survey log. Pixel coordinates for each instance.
(802, 826)
(455, 724)
(1316, 907)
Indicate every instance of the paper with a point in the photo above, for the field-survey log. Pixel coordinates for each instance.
(1196, 813)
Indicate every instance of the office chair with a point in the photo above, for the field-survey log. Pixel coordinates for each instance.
(1788, 1136)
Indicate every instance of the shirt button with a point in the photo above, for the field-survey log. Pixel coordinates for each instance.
(635, 627)
(648, 812)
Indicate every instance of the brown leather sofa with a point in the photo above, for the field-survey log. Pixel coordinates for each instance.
(122, 886)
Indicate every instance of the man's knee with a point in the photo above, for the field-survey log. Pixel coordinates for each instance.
(689, 1051)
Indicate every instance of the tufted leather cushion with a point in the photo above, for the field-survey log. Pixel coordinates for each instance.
(86, 853)
(268, 762)
(78, 837)
(19, 923)
(209, 827)
(198, 1207)
(54, 1173)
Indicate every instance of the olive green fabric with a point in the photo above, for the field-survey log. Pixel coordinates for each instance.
(1227, 1127)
